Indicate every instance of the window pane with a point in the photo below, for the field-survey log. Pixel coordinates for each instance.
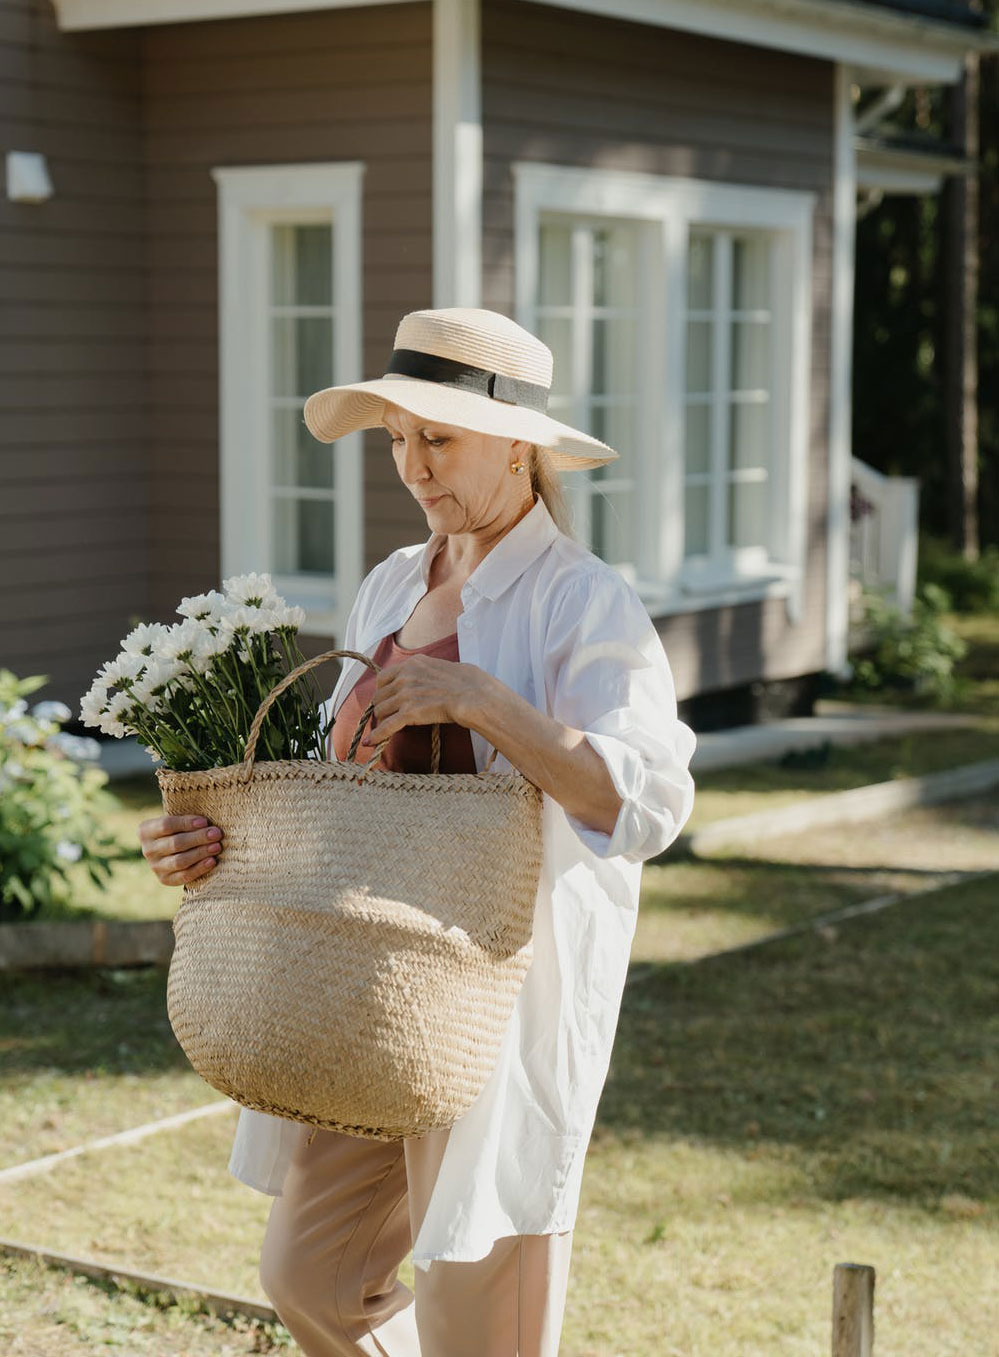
(697, 440)
(302, 272)
(699, 355)
(615, 259)
(749, 435)
(615, 426)
(695, 520)
(750, 273)
(556, 265)
(298, 458)
(556, 331)
(613, 372)
(303, 536)
(750, 355)
(611, 518)
(747, 508)
(700, 266)
(302, 354)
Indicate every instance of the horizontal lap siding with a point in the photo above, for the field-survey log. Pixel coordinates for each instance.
(572, 89)
(342, 85)
(73, 478)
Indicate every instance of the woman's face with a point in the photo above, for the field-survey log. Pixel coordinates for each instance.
(461, 479)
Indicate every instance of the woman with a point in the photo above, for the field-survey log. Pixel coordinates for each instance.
(515, 639)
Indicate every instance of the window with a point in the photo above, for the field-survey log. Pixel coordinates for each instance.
(290, 325)
(587, 314)
(678, 313)
(729, 433)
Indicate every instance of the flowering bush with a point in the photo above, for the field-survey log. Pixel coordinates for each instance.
(190, 691)
(51, 802)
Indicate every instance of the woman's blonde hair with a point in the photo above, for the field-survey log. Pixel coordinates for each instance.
(546, 482)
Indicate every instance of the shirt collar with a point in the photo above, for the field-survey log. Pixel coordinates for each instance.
(508, 559)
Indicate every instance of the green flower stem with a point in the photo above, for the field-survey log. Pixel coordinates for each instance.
(210, 694)
(237, 682)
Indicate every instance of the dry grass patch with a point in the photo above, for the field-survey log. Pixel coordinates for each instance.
(49, 1313)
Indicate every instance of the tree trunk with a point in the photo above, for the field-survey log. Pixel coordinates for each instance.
(960, 266)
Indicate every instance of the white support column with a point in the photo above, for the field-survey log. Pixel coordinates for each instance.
(457, 154)
(840, 374)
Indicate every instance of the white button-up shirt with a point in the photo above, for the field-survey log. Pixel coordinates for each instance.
(567, 633)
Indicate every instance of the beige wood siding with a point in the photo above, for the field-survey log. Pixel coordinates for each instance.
(342, 85)
(580, 90)
(73, 472)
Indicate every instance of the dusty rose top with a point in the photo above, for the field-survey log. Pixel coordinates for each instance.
(408, 751)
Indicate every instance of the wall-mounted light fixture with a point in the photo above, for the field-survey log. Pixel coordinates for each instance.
(28, 178)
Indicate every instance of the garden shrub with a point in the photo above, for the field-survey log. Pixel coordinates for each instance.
(52, 802)
(914, 654)
(971, 586)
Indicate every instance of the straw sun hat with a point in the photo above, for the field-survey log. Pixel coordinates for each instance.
(474, 369)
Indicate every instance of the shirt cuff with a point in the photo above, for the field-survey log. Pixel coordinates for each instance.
(627, 772)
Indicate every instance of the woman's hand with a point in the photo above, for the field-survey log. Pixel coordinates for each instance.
(424, 692)
(180, 848)
(557, 758)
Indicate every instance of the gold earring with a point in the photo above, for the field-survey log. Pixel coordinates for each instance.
(517, 467)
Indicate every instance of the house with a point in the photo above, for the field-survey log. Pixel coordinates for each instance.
(216, 206)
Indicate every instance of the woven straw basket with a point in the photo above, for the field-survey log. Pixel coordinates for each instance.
(354, 958)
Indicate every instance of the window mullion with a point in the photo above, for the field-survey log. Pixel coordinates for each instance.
(582, 358)
(721, 382)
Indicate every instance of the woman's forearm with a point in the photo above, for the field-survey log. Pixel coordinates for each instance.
(555, 757)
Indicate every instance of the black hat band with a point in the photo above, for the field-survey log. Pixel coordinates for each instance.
(430, 367)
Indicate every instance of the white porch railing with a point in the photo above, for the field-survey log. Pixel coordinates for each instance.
(884, 535)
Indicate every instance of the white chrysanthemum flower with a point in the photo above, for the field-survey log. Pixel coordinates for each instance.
(124, 669)
(242, 621)
(251, 590)
(179, 641)
(148, 691)
(15, 712)
(233, 637)
(76, 747)
(143, 639)
(93, 702)
(112, 722)
(203, 651)
(69, 852)
(287, 615)
(51, 711)
(203, 607)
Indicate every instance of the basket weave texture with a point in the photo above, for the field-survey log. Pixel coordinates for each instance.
(354, 958)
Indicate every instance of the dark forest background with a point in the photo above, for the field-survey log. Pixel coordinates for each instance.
(900, 352)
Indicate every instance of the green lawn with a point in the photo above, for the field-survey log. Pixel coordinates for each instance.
(768, 1114)
(828, 1098)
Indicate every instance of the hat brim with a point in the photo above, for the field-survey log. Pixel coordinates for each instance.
(340, 410)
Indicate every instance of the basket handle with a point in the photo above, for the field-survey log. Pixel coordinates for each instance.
(249, 757)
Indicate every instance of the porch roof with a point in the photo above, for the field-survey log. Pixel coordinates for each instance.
(882, 41)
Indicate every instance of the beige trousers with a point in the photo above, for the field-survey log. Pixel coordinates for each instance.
(346, 1220)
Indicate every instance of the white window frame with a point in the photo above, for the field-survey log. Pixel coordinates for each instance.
(671, 207)
(252, 199)
(579, 493)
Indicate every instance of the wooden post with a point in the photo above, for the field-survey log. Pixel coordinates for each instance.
(853, 1310)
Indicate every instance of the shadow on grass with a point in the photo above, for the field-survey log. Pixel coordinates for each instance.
(96, 1022)
(872, 1051)
(778, 894)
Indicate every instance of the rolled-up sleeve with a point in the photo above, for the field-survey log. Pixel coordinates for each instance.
(606, 674)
